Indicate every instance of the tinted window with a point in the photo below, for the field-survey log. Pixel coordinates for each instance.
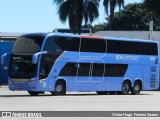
(46, 65)
(116, 47)
(148, 49)
(145, 48)
(133, 47)
(83, 69)
(47, 61)
(73, 69)
(28, 44)
(51, 45)
(22, 67)
(93, 45)
(115, 70)
(154, 49)
(69, 69)
(68, 43)
(127, 47)
(98, 69)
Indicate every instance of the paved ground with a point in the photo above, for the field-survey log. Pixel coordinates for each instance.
(21, 101)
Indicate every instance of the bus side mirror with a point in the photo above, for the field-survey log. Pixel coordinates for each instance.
(35, 56)
(3, 58)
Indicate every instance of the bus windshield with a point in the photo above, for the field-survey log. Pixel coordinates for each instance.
(28, 45)
(22, 67)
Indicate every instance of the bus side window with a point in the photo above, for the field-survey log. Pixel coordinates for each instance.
(93, 45)
(77, 65)
(83, 69)
(47, 62)
(69, 70)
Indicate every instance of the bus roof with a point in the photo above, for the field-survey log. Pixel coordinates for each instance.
(129, 39)
(85, 36)
(35, 34)
(93, 37)
(100, 37)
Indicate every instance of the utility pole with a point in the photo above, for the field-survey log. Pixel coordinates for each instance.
(151, 30)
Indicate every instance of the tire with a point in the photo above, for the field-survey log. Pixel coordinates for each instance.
(101, 93)
(32, 93)
(126, 88)
(136, 88)
(60, 89)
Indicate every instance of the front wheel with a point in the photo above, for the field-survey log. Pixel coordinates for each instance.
(136, 89)
(126, 88)
(60, 88)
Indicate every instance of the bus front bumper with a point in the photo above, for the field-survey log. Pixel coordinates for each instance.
(22, 85)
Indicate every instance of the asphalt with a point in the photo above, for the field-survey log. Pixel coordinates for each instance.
(79, 101)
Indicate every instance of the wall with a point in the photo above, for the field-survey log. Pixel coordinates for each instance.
(5, 47)
(130, 34)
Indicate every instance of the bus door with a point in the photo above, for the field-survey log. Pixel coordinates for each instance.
(83, 75)
(46, 65)
(98, 70)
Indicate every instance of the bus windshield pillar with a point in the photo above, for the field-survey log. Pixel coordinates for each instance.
(3, 57)
(35, 56)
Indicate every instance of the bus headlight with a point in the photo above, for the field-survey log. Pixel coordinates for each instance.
(31, 82)
(9, 82)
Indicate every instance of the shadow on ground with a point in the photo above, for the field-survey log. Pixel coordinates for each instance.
(49, 95)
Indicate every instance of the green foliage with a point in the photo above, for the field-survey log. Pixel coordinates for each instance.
(132, 17)
(75, 11)
(112, 5)
(153, 6)
(99, 27)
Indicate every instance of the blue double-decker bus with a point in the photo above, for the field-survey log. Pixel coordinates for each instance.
(60, 63)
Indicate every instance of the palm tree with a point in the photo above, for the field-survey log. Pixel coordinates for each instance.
(153, 6)
(112, 5)
(75, 11)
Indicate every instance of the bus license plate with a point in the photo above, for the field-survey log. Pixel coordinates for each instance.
(19, 87)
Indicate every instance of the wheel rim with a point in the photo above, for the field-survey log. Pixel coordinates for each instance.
(125, 88)
(59, 88)
(137, 88)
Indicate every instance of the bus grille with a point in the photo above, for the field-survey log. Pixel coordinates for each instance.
(20, 80)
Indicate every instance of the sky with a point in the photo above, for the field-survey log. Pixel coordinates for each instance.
(27, 16)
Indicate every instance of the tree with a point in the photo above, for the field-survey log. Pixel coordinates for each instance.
(132, 17)
(75, 11)
(153, 6)
(112, 5)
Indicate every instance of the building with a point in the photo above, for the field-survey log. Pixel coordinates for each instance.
(147, 35)
(6, 44)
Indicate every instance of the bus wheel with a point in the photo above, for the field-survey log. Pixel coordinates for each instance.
(60, 88)
(126, 88)
(101, 93)
(137, 88)
(32, 93)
